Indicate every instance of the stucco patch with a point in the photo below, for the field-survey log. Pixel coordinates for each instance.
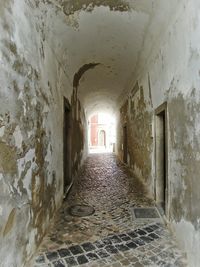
(8, 162)
(71, 6)
(10, 222)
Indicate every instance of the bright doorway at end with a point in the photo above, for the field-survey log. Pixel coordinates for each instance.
(102, 133)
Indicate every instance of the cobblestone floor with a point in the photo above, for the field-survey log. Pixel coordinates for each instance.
(110, 237)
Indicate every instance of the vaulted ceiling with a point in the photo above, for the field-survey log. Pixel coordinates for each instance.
(106, 35)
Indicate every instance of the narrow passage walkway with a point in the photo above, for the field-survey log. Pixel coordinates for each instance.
(109, 237)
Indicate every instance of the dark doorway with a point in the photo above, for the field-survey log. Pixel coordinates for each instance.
(125, 144)
(161, 186)
(67, 146)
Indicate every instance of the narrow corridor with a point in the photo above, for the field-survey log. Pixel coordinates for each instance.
(109, 237)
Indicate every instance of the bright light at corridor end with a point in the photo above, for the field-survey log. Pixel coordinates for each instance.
(101, 133)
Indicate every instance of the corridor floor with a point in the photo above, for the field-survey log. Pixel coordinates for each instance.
(109, 237)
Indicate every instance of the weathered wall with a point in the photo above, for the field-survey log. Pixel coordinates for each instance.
(33, 83)
(170, 72)
(136, 116)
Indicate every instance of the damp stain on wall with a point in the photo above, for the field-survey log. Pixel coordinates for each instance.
(183, 116)
(70, 7)
(8, 164)
(10, 222)
(138, 120)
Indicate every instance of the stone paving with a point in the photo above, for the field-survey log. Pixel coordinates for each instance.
(109, 237)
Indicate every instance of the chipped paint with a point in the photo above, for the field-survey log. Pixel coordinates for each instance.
(10, 223)
(2, 130)
(18, 137)
(8, 158)
(70, 7)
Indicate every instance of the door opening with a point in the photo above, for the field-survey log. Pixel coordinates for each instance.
(161, 157)
(125, 144)
(102, 138)
(67, 146)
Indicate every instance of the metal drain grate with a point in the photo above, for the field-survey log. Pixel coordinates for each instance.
(149, 214)
(81, 210)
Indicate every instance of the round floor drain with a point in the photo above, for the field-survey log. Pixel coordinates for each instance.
(81, 210)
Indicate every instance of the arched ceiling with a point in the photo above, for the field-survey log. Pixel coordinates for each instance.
(108, 36)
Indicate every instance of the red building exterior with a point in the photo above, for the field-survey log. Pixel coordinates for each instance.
(94, 130)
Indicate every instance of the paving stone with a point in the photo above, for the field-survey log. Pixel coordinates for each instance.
(107, 241)
(148, 229)
(52, 255)
(133, 259)
(58, 263)
(75, 250)
(111, 249)
(99, 244)
(141, 232)
(82, 259)
(71, 261)
(146, 262)
(88, 246)
(122, 247)
(92, 256)
(154, 259)
(115, 239)
(40, 259)
(131, 245)
(139, 242)
(132, 234)
(155, 226)
(102, 253)
(146, 239)
(116, 264)
(138, 264)
(64, 252)
(125, 262)
(161, 263)
(126, 238)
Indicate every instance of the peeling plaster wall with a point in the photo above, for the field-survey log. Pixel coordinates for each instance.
(137, 117)
(33, 83)
(170, 72)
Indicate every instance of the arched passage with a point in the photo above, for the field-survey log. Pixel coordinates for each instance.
(102, 138)
(120, 57)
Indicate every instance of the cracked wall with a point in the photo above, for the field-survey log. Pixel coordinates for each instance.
(170, 73)
(33, 84)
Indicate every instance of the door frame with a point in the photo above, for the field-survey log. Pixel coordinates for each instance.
(125, 144)
(104, 137)
(67, 127)
(162, 110)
